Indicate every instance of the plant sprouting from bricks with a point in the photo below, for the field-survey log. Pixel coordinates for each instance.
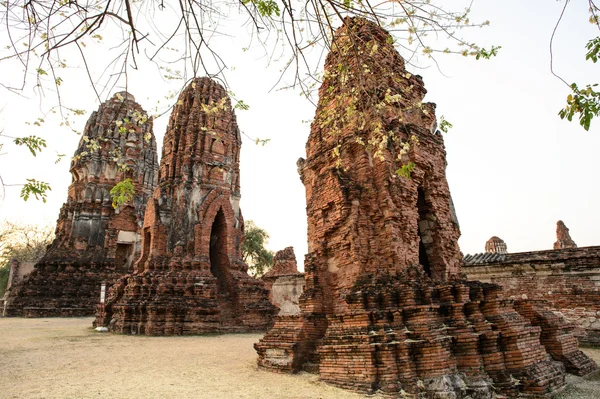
(122, 193)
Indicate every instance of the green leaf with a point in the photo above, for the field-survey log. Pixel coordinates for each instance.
(406, 170)
(583, 102)
(33, 143)
(445, 126)
(593, 48)
(483, 53)
(36, 188)
(122, 193)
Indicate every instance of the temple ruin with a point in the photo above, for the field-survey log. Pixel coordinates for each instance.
(284, 282)
(190, 277)
(94, 242)
(566, 278)
(563, 238)
(495, 245)
(384, 306)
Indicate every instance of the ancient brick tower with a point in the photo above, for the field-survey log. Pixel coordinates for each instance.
(94, 243)
(384, 307)
(190, 277)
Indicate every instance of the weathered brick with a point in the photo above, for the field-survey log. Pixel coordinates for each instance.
(94, 243)
(190, 277)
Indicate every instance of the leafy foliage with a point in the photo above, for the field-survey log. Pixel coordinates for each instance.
(445, 126)
(122, 193)
(485, 54)
(406, 170)
(593, 48)
(33, 143)
(585, 102)
(254, 253)
(25, 243)
(38, 189)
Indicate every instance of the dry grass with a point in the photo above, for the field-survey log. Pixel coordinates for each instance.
(65, 358)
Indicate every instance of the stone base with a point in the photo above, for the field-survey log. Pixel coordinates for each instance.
(417, 338)
(185, 303)
(557, 336)
(60, 290)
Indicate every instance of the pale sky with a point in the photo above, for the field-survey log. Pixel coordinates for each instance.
(514, 167)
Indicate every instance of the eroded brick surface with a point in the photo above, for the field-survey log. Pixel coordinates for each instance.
(190, 277)
(384, 307)
(567, 279)
(94, 243)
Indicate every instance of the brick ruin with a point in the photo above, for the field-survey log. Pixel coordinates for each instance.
(567, 278)
(563, 238)
(94, 242)
(190, 277)
(284, 282)
(384, 307)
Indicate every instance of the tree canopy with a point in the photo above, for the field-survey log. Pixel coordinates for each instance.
(25, 243)
(254, 253)
(44, 39)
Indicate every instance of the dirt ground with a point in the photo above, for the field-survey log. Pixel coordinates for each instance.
(66, 358)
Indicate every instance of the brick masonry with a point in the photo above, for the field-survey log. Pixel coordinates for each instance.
(94, 243)
(190, 277)
(384, 306)
(568, 279)
(284, 282)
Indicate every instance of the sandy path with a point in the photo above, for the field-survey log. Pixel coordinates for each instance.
(65, 358)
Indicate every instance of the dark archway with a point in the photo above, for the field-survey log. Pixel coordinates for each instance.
(423, 230)
(219, 261)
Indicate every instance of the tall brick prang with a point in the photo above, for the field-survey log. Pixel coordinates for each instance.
(94, 242)
(384, 307)
(563, 238)
(190, 277)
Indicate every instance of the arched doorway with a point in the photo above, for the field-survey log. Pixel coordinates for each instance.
(424, 231)
(219, 266)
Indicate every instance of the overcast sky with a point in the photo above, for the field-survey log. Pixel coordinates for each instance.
(514, 167)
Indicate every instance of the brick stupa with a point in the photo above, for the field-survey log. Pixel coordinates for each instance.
(94, 243)
(384, 307)
(190, 278)
(495, 245)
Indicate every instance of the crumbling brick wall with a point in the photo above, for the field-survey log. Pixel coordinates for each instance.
(568, 279)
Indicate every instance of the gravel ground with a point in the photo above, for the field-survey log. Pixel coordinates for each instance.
(66, 358)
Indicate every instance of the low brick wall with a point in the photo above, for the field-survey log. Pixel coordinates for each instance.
(569, 279)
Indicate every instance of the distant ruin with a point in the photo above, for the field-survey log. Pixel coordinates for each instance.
(495, 245)
(567, 278)
(94, 242)
(384, 307)
(563, 238)
(190, 277)
(284, 282)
